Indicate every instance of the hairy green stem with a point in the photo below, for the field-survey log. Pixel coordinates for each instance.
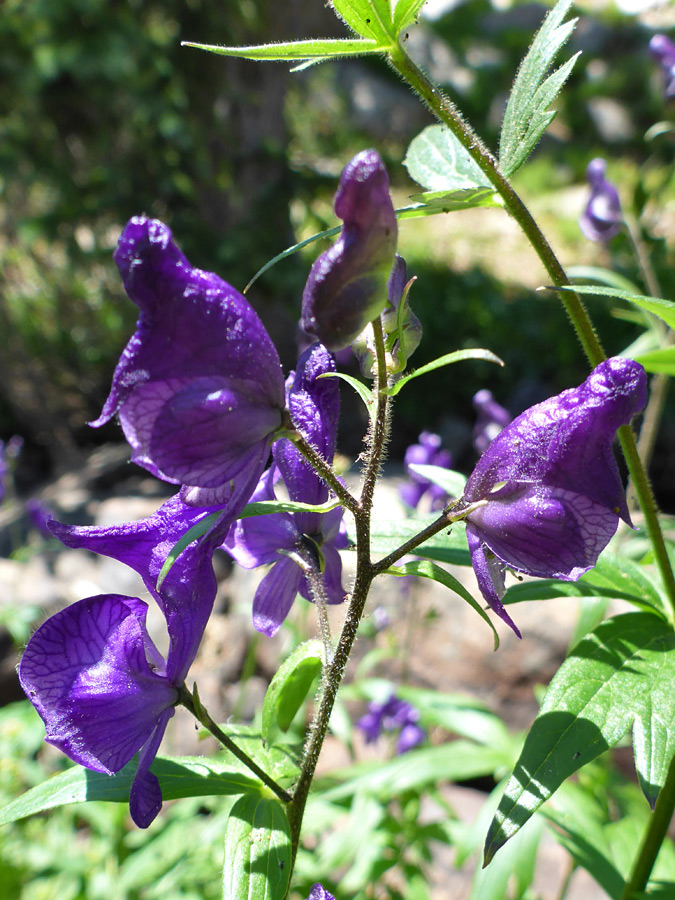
(202, 716)
(321, 467)
(653, 839)
(446, 112)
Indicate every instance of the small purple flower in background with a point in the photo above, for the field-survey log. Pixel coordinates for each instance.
(39, 516)
(551, 484)
(427, 453)
(602, 218)
(393, 715)
(662, 50)
(319, 892)
(9, 453)
(347, 285)
(199, 388)
(491, 419)
(92, 672)
(286, 540)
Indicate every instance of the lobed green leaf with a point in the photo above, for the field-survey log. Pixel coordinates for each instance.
(621, 674)
(257, 863)
(527, 113)
(405, 13)
(446, 547)
(290, 686)
(436, 160)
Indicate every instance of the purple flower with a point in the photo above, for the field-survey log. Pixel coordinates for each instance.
(92, 672)
(9, 453)
(289, 540)
(393, 715)
(663, 51)
(198, 389)
(551, 484)
(602, 218)
(347, 285)
(491, 419)
(427, 453)
(39, 516)
(319, 892)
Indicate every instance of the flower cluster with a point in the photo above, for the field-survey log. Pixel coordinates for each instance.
(393, 715)
(202, 400)
(663, 51)
(428, 452)
(548, 491)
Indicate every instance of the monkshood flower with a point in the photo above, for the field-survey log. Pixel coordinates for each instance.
(198, 389)
(319, 892)
(491, 419)
(401, 328)
(428, 452)
(347, 285)
(602, 218)
(550, 484)
(663, 51)
(92, 672)
(290, 541)
(393, 715)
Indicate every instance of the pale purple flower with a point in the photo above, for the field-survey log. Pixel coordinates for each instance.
(663, 51)
(428, 452)
(198, 389)
(490, 420)
(92, 672)
(39, 516)
(347, 285)
(319, 892)
(393, 715)
(286, 539)
(9, 453)
(602, 218)
(553, 490)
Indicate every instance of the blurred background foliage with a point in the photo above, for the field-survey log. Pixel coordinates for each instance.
(103, 115)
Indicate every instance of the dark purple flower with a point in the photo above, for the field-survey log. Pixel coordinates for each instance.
(491, 419)
(663, 51)
(393, 715)
(347, 285)
(427, 453)
(92, 672)
(198, 389)
(287, 540)
(319, 892)
(551, 484)
(602, 218)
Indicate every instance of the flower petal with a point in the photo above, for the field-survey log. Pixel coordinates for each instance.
(145, 797)
(275, 596)
(489, 575)
(86, 673)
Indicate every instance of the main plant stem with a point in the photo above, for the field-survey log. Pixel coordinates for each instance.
(446, 112)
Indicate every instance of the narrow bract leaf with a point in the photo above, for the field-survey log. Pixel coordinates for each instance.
(446, 360)
(406, 12)
(257, 862)
(527, 113)
(424, 568)
(436, 160)
(658, 361)
(454, 201)
(361, 389)
(664, 309)
(290, 686)
(606, 277)
(268, 507)
(453, 483)
(620, 675)
(191, 535)
(292, 51)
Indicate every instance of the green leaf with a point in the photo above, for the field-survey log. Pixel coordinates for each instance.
(405, 13)
(527, 113)
(424, 568)
(179, 777)
(453, 483)
(452, 201)
(361, 389)
(292, 51)
(446, 360)
(290, 687)
(268, 507)
(388, 535)
(607, 277)
(257, 862)
(621, 674)
(664, 309)
(658, 361)
(369, 18)
(436, 160)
